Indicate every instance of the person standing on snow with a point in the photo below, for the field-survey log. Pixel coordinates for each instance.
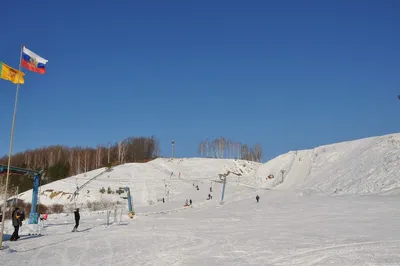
(257, 198)
(17, 222)
(77, 218)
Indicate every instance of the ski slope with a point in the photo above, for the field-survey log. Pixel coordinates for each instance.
(150, 182)
(334, 205)
(359, 167)
(365, 166)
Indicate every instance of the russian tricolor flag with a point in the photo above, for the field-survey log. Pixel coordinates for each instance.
(32, 61)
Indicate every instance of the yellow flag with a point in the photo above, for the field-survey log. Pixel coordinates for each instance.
(11, 74)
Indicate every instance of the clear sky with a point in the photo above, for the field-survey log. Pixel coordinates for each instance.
(287, 74)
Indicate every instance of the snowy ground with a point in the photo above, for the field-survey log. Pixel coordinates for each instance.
(283, 229)
(332, 205)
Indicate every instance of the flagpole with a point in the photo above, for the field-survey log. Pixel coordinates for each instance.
(10, 151)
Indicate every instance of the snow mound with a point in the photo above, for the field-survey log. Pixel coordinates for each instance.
(365, 166)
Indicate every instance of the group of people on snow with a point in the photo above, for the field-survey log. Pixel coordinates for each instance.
(43, 217)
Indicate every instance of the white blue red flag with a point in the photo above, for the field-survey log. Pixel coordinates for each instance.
(33, 62)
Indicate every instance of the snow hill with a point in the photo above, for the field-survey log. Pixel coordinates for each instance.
(150, 182)
(362, 166)
(365, 166)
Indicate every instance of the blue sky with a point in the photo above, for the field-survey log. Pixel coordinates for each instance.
(287, 74)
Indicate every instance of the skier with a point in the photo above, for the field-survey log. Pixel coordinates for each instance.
(77, 218)
(210, 189)
(17, 222)
(163, 200)
(186, 203)
(257, 198)
(190, 202)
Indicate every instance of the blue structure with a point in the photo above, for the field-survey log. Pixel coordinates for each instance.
(223, 190)
(33, 216)
(131, 212)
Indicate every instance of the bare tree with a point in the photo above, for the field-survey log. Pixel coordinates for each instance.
(229, 148)
(98, 156)
(221, 146)
(85, 160)
(207, 146)
(71, 161)
(58, 153)
(78, 163)
(215, 146)
(28, 158)
(122, 150)
(258, 152)
(201, 149)
(109, 153)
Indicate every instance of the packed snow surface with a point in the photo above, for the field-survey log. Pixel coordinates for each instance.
(335, 204)
(283, 229)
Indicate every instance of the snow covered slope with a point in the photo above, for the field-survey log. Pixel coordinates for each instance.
(150, 182)
(284, 228)
(364, 166)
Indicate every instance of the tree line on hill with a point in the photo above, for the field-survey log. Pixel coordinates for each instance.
(61, 161)
(226, 148)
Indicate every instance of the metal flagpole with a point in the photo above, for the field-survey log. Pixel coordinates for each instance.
(10, 151)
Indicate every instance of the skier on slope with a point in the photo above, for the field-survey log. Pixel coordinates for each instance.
(257, 198)
(77, 218)
(16, 222)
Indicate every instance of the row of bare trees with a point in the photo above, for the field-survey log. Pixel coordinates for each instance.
(65, 161)
(226, 148)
